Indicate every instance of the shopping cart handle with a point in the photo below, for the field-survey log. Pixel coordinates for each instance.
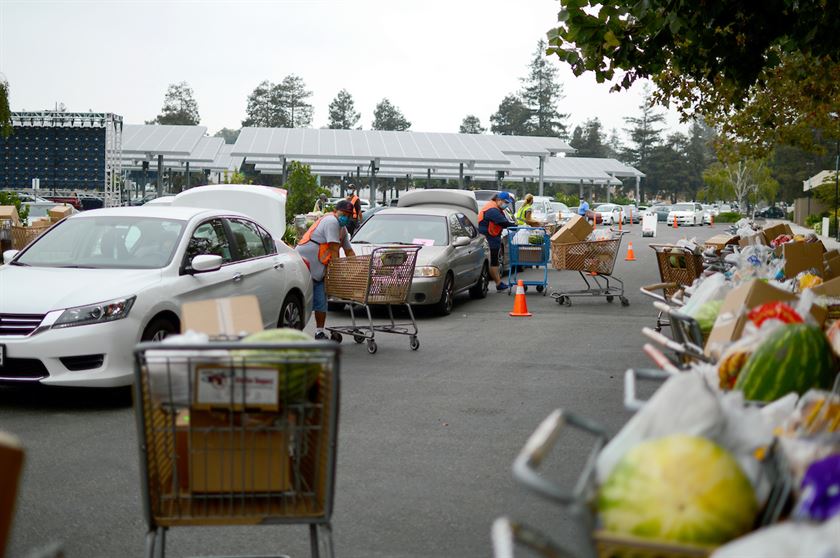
(537, 447)
(654, 335)
(506, 534)
(631, 402)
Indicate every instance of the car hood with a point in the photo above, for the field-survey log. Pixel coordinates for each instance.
(38, 290)
(682, 212)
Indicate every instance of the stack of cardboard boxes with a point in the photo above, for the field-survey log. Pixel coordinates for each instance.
(576, 230)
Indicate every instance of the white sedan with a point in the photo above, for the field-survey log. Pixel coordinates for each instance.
(687, 213)
(75, 302)
(610, 213)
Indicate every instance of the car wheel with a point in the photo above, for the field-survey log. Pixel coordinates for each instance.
(447, 297)
(479, 290)
(291, 313)
(158, 330)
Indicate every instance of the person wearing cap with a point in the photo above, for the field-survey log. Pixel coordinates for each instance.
(523, 214)
(318, 246)
(320, 204)
(357, 208)
(583, 208)
(491, 223)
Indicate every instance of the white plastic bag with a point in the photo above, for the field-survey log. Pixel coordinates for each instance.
(170, 370)
(787, 540)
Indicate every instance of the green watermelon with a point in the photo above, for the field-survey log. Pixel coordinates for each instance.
(678, 488)
(793, 358)
(297, 375)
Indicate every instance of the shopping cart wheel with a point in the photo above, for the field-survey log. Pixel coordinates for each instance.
(371, 346)
(540, 288)
(624, 301)
(335, 336)
(610, 298)
(414, 343)
(359, 338)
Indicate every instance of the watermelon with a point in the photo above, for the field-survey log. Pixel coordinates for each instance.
(678, 488)
(794, 357)
(296, 374)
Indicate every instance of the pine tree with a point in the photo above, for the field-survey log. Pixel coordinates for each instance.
(512, 118)
(262, 109)
(540, 93)
(279, 106)
(644, 133)
(471, 125)
(343, 115)
(228, 135)
(589, 140)
(387, 116)
(179, 106)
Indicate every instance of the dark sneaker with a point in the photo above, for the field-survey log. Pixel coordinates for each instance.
(321, 336)
(502, 287)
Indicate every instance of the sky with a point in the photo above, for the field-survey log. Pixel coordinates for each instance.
(437, 60)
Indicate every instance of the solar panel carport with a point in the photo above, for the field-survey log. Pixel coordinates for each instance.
(161, 141)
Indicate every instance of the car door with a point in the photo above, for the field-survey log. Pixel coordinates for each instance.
(698, 213)
(207, 238)
(259, 267)
(477, 253)
(461, 255)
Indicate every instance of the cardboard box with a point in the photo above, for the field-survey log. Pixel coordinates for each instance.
(721, 241)
(223, 317)
(830, 288)
(733, 313)
(9, 213)
(831, 262)
(758, 238)
(217, 453)
(59, 212)
(576, 229)
(770, 233)
(802, 256)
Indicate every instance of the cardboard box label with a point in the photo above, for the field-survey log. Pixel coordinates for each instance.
(236, 387)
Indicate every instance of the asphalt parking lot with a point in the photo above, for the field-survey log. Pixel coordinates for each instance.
(426, 438)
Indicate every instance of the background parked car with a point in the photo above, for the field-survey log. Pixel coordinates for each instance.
(661, 211)
(562, 211)
(686, 213)
(610, 213)
(632, 212)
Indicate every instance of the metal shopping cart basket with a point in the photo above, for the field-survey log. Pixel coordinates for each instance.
(594, 260)
(678, 269)
(529, 246)
(382, 277)
(578, 502)
(236, 434)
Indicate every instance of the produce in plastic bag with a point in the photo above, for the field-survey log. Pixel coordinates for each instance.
(713, 287)
(807, 280)
(706, 314)
(776, 311)
(787, 540)
(820, 490)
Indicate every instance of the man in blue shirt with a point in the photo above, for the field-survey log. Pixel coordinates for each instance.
(491, 222)
(583, 208)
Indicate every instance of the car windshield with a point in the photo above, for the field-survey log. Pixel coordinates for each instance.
(429, 230)
(683, 207)
(606, 207)
(557, 206)
(106, 243)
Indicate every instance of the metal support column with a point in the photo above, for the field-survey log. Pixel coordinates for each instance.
(542, 174)
(372, 180)
(461, 176)
(187, 177)
(609, 193)
(591, 192)
(160, 176)
(581, 189)
(638, 198)
(428, 178)
(283, 175)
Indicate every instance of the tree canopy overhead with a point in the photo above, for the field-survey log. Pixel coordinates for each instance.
(764, 72)
(179, 106)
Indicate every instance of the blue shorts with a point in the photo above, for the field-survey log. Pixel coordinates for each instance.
(319, 296)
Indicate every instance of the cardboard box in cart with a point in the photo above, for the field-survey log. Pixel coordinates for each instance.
(576, 229)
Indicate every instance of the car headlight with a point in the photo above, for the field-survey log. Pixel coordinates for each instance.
(426, 271)
(102, 312)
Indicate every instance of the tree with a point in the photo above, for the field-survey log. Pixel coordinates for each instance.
(343, 115)
(540, 93)
(644, 133)
(764, 73)
(589, 140)
(471, 125)
(228, 135)
(179, 106)
(388, 117)
(5, 110)
(303, 189)
(666, 171)
(791, 166)
(614, 145)
(512, 118)
(279, 106)
(698, 155)
(747, 180)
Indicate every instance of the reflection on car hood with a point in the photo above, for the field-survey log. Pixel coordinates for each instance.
(38, 290)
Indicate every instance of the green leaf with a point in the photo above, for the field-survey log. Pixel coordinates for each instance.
(563, 15)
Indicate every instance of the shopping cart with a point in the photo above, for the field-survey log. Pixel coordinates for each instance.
(529, 246)
(592, 541)
(237, 434)
(678, 268)
(594, 260)
(382, 278)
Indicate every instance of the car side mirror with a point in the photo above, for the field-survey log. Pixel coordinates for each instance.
(205, 263)
(9, 254)
(461, 241)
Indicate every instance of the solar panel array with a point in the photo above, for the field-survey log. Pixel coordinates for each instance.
(161, 139)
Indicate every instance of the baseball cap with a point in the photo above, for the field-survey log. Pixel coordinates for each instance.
(505, 196)
(344, 205)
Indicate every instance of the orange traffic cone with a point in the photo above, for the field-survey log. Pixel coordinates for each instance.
(675, 222)
(631, 257)
(520, 304)
(620, 222)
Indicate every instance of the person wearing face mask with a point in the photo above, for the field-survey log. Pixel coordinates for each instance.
(491, 223)
(318, 246)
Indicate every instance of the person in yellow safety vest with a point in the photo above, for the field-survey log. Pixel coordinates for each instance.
(523, 214)
(354, 200)
(318, 246)
(491, 222)
(321, 204)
